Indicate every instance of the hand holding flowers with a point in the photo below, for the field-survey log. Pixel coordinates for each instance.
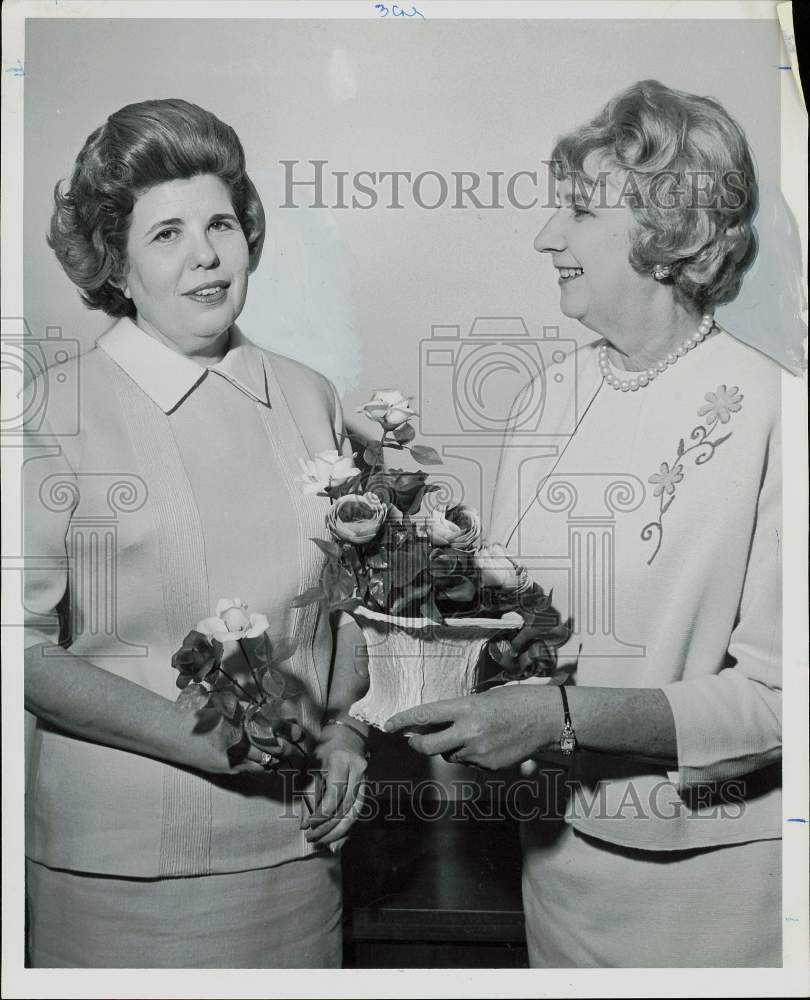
(248, 700)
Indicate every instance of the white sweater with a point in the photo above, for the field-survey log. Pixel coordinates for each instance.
(658, 523)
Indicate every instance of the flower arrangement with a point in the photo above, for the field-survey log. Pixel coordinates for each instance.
(384, 558)
(247, 692)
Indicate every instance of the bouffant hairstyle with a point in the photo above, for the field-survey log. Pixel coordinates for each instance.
(690, 183)
(139, 146)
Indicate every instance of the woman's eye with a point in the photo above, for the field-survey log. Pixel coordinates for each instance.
(579, 211)
(165, 235)
(221, 224)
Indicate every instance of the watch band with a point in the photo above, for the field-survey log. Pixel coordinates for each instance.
(568, 738)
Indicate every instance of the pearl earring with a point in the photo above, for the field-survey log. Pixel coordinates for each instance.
(661, 271)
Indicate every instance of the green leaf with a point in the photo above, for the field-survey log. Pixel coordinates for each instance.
(338, 582)
(404, 434)
(282, 648)
(237, 751)
(373, 454)
(351, 557)
(331, 549)
(309, 596)
(228, 704)
(258, 649)
(293, 687)
(207, 720)
(461, 592)
(348, 605)
(193, 696)
(272, 683)
(425, 455)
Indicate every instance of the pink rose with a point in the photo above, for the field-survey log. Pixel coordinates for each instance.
(459, 526)
(356, 519)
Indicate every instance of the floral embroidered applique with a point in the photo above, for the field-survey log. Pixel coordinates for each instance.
(721, 404)
(666, 479)
(718, 408)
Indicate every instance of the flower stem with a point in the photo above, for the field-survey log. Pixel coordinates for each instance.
(236, 683)
(250, 668)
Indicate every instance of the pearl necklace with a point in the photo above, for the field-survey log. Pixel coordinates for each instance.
(644, 378)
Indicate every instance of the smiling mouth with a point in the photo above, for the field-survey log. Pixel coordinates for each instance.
(569, 273)
(209, 294)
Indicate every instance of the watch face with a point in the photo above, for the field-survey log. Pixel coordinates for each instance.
(568, 739)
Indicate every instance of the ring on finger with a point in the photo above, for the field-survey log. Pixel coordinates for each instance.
(267, 761)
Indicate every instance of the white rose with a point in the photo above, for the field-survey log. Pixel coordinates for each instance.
(499, 571)
(231, 622)
(329, 468)
(389, 407)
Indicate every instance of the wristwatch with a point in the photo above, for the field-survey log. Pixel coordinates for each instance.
(568, 738)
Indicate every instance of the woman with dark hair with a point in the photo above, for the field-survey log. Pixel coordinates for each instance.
(655, 839)
(147, 845)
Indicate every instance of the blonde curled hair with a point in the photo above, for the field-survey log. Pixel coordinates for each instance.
(690, 181)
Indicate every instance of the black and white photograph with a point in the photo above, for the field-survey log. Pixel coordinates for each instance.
(404, 451)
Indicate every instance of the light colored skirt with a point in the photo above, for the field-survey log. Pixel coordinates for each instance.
(590, 904)
(288, 916)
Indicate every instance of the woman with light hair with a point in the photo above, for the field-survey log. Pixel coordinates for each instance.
(655, 840)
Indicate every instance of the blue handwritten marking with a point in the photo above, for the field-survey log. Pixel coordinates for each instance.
(792, 920)
(396, 11)
(18, 70)
(797, 819)
(784, 67)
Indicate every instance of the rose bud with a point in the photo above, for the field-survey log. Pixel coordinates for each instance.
(459, 526)
(196, 658)
(356, 519)
(388, 407)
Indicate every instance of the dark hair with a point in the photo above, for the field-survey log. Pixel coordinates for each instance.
(666, 140)
(139, 146)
